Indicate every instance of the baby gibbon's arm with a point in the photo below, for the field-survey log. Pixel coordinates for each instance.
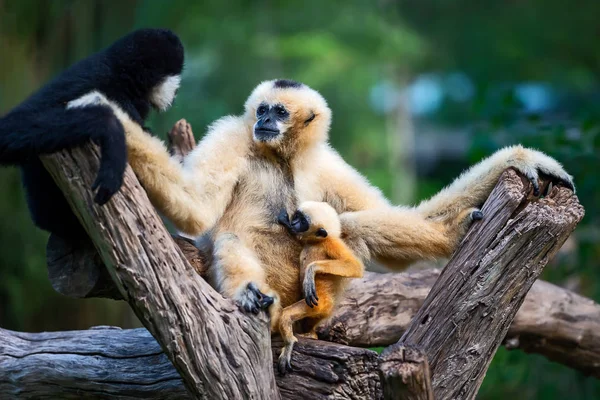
(193, 195)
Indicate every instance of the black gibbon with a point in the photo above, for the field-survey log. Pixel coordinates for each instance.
(231, 187)
(325, 264)
(138, 72)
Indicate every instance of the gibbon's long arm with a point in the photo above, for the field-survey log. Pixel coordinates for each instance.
(398, 236)
(24, 135)
(195, 194)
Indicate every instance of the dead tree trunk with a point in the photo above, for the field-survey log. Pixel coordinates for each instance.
(192, 322)
(470, 307)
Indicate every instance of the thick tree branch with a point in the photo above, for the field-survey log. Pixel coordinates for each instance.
(470, 307)
(405, 374)
(129, 364)
(219, 352)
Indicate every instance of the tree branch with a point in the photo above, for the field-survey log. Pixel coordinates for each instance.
(192, 322)
(470, 307)
(107, 362)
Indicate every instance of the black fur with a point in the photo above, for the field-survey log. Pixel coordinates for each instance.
(126, 72)
(286, 83)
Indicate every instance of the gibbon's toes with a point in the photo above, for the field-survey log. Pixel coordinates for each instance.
(476, 215)
(285, 360)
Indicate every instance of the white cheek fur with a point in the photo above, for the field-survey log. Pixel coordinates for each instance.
(162, 95)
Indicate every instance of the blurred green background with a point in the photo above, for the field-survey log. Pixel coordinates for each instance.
(419, 90)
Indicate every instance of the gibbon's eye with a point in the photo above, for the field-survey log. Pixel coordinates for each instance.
(281, 111)
(321, 233)
(262, 109)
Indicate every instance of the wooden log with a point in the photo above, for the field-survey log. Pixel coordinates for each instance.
(107, 362)
(405, 374)
(470, 307)
(219, 352)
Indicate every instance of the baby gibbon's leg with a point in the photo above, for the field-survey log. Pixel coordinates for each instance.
(296, 312)
(237, 274)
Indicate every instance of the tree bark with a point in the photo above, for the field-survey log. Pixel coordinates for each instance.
(470, 307)
(111, 363)
(405, 374)
(219, 352)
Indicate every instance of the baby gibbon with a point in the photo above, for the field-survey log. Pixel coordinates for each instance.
(317, 226)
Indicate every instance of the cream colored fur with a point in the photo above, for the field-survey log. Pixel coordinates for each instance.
(232, 185)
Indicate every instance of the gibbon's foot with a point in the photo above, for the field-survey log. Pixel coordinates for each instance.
(285, 358)
(533, 163)
(253, 300)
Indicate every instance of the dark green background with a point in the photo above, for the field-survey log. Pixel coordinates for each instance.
(348, 50)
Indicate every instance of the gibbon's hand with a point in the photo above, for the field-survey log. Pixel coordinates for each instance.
(309, 287)
(253, 300)
(532, 163)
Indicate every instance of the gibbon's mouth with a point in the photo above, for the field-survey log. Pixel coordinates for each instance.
(264, 135)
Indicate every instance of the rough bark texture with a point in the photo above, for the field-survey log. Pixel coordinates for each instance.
(472, 304)
(107, 362)
(191, 321)
(554, 322)
(405, 374)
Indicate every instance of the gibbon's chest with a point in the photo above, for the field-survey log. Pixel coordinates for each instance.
(263, 190)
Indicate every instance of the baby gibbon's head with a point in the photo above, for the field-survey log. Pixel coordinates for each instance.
(314, 221)
(287, 116)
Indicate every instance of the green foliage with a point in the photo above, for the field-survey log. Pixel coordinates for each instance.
(344, 49)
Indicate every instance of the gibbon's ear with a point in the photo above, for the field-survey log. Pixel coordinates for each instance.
(321, 233)
(310, 119)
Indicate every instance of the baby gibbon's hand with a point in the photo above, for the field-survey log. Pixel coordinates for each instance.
(309, 287)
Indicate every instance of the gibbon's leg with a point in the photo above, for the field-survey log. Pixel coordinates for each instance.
(296, 312)
(48, 207)
(341, 268)
(237, 274)
(399, 236)
(23, 136)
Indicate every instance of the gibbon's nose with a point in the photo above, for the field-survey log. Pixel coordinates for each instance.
(267, 120)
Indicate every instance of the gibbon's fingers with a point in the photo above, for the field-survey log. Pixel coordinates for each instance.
(253, 300)
(476, 215)
(113, 161)
(309, 288)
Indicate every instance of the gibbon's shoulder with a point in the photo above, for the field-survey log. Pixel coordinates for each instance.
(228, 138)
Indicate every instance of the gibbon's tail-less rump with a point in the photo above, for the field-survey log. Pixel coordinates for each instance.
(138, 72)
(231, 187)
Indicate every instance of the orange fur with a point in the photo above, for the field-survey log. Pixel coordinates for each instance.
(325, 263)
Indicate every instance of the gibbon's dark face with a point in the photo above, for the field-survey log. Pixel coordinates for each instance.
(150, 60)
(270, 118)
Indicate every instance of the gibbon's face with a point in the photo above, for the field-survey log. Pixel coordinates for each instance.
(272, 121)
(312, 221)
(287, 116)
(153, 60)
